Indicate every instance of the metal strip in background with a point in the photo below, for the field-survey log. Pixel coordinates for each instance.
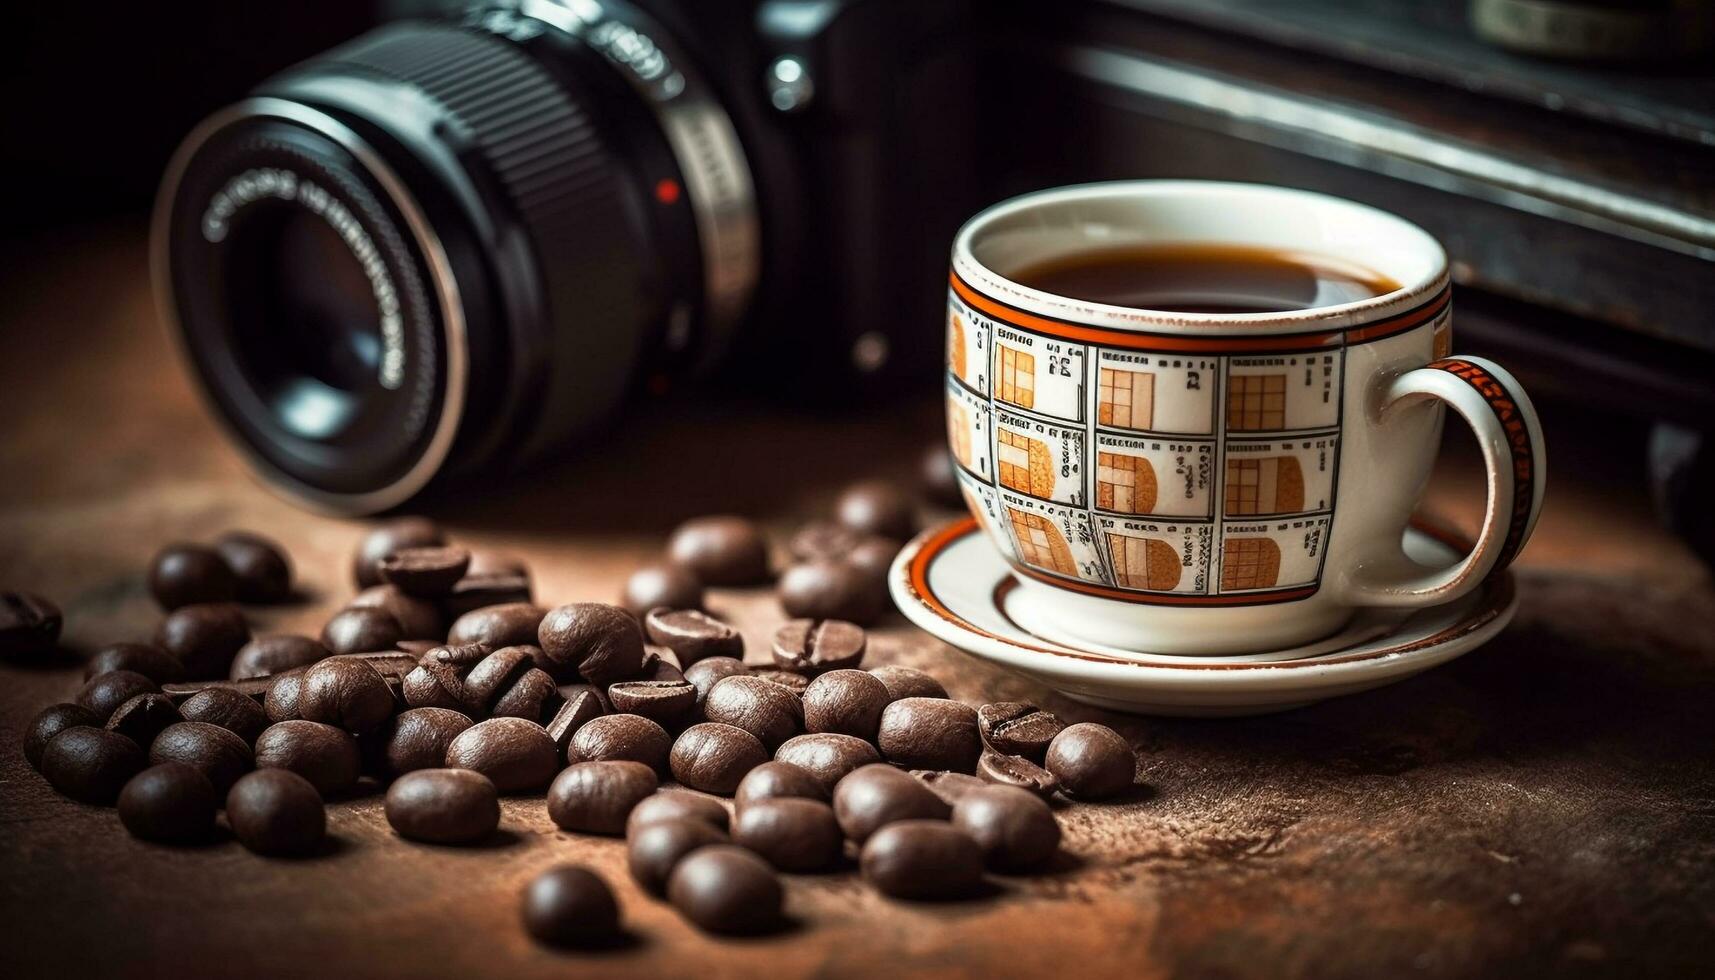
(1391, 148)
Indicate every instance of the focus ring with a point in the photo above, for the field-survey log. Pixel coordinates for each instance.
(540, 145)
(560, 178)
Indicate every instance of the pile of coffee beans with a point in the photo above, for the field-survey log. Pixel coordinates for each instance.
(835, 569)
(444, 682)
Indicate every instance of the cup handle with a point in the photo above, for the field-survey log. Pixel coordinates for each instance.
(1499, 412)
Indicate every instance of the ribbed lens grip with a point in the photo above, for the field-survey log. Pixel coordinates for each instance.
(559, 175)
(541, 146)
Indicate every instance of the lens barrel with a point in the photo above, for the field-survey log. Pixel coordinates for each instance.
(446, 247)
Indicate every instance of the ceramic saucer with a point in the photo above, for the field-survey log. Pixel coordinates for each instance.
(954, 583)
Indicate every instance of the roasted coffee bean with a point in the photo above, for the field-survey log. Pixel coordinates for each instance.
(533, 696)
(211, 749)
(764, 709)
(571, 690)
(791, 680)
(391, 663)
(622, 737)
(721, 550)
(434, 685)
(575, 711)
(104, 693)
(816, 646)
(705, 674)
(280, 703)
(950, 786)
(592, 640)
(930, 733)
(171, 803)
(516, 754)
(415, 648)
(1014, 828)
(144, 658)
(727, 890)
(676, 804)
(267, 655)
(52, 720)
(907, 682)
(791, 833)
(348, 694)
(326, 756)
(714, 757)
(459, 656)
(204, 637)
(827, 756)
(876, 795)
(182, 574)
(661, 664)
(418, 739)
(1016, 771)
(261, 568)
(443, 806)
(250, 687)
(474, 592)
(29, 626)
(597, 797)
(874, 557)
(663, 701)
(832, 589)
(418, 618)
(924, 860)
(845, 702)
(572, 907)
(486, 562)
(276, 812)
(226, 707)
(428, 572)
(653, 849)
(1091, 761)
(876, 507)
(356, 629)
(384, 540)
(143, 717)
(661, 586)
(1017, 728)
(693, 635)
(823, 539)
(773, 780)
(490, 677)
(90, 765)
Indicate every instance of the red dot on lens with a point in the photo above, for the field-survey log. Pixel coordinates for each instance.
(667, 190)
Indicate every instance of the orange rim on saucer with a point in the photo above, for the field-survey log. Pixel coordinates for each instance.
(1492, 600)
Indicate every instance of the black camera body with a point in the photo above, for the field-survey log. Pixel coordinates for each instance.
(459, 243)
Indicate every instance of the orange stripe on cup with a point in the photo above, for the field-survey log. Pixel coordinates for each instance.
(1138, 340)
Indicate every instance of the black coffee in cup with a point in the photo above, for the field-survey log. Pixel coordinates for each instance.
(1204, 278)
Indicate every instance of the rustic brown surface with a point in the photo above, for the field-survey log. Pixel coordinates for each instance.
(1545, 805)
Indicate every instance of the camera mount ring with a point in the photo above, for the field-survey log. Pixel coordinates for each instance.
(701, 136)
(448, 303)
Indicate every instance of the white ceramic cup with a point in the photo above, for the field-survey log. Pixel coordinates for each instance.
(1217, 483)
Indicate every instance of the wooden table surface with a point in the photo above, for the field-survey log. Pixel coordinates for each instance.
(1544, 805)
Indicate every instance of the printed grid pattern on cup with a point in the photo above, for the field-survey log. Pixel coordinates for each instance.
(1231, 550)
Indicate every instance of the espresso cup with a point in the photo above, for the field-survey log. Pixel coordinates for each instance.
(1218, 483)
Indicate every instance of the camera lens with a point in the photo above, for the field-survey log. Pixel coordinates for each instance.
(447, 247)
(305, 323)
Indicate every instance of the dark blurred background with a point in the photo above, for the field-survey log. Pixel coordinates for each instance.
(98, 94)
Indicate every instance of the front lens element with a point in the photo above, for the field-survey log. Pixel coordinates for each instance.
(306, 325)
(305, 303)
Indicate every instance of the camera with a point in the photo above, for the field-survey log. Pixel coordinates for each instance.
(461, 242)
